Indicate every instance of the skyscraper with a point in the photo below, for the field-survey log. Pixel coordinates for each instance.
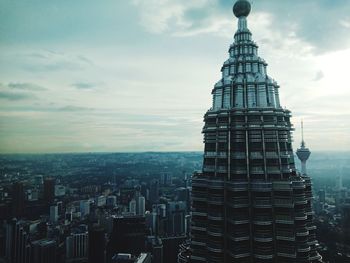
(44, 251)
(53, 213)
(49, 190)
(84, 208)
(77, 246)
(249, 204)
(176, 211)
(18, 198)
(140, 205)
(154, 191)
(97, 242)
(128, 236)
(17, 242)
(132, 206)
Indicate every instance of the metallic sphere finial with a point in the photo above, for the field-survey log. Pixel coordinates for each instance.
(242, 8)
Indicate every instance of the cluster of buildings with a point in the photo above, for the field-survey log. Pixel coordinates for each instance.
(46, 221)
(332, 212)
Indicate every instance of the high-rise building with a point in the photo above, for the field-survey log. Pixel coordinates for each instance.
(154, 191)
(111, 201)
(176, 218)
(339, 181)
(322, 196)
(60, 190)
(183, 194)
(53, 213)
(97, 242)
(17, 242)
(44, 251)
(249, 203)
(166, 179)
(161, 219)
(2, 242)
(100, 201)
(128, 236)
(140, 204)
(84, 208)
(151, 222)
(132, 206)
(18, 199)
(155, 245)
(38, 180)
(144, 190)
(77, 245)
(49, 190)
(169, 243)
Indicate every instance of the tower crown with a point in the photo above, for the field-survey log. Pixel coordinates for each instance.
(241, 8)
(244, 83)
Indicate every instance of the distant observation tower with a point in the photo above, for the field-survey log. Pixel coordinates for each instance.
(303, 153)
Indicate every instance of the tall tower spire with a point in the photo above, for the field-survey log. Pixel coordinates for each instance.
(249, 204)
(302, 134)
(241, 10)
(303, 153)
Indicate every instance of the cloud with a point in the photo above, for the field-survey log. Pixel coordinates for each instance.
(52, 61)
(159, 16)
(25, 86)
(345, 23)
(189, 18)
(71, 108)
(84, 85)
(85, 59)
(19, 91)
(312, 20)
(13, 96)
(319, 76)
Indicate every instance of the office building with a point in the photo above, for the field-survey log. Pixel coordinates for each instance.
(128, 236)
(155, 246)
(53, 213)
(44, 251)
(77, 245)
(97, 242)
(17, 242)
(18, 199)
(249, 203)
(49, 190)
(111, 201)
(84, 208)
(132, 207)
(100, 201)
(154, 191)
(176, 212)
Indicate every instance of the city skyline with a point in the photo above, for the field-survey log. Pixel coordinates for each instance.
(80, 77)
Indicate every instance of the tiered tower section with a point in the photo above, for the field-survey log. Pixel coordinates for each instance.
(249, 204)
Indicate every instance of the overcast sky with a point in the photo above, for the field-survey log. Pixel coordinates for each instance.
(137, 75)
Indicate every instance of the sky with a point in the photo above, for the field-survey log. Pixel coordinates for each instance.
(137, 75)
